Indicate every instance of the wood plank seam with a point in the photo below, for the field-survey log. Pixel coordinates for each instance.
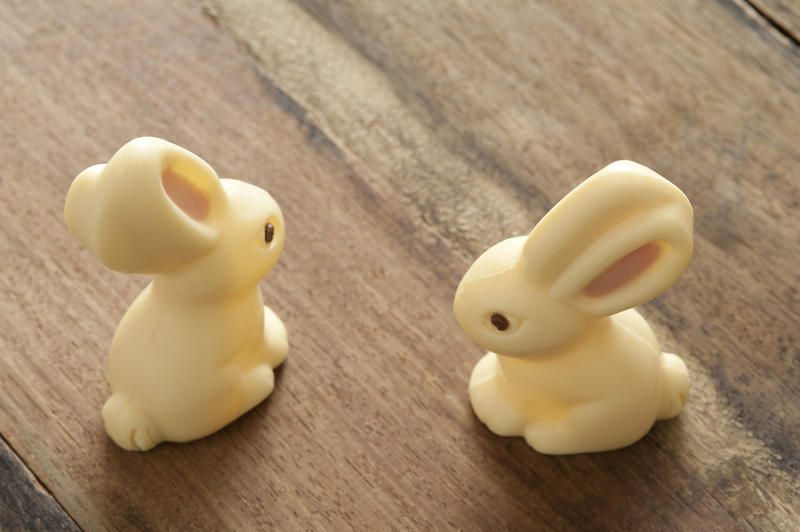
(42, 511)
(769, 19)
(760, 15)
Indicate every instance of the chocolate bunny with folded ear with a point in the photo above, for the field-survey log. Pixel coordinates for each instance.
(572, 367)
(197, 347)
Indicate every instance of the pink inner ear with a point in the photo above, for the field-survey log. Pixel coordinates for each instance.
(624, 270)
(185, 195)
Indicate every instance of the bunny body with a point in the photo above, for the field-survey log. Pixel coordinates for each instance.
(572, 367)
(197, 347)
(607, 389)
(180, 388)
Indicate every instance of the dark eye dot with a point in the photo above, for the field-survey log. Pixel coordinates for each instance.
(269, 233)
(499, 321)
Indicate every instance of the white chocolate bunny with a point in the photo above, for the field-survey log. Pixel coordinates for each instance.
(572, 367)
(197, 347)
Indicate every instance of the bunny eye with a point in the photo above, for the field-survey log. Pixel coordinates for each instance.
(269, 233)
(500, 322)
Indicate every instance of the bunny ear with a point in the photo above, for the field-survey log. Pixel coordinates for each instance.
(617, 240)
(153, 207)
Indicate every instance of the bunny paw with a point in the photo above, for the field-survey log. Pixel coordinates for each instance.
(502, 416)
(275, 338)
(127, 425)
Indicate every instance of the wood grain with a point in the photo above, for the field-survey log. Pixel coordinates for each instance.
(400, 140)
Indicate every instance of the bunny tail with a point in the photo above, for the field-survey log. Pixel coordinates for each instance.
(676, 386)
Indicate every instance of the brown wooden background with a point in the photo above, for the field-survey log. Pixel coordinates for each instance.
(401, 139)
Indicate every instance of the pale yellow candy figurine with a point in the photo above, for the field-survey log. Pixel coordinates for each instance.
(197, 347)
(572, 367)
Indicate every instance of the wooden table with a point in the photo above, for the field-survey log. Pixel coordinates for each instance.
(401, 139)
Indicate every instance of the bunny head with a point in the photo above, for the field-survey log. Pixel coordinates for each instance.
(156, 208)
(617, 240)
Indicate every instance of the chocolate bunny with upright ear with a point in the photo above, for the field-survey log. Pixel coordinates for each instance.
(572, 366)
(197, 347)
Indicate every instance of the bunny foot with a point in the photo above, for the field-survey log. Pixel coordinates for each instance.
(127, 425)
(557, 437)
(586, 428)
(676, 386)
(275, 338)
(549, 437)
(569, 435)
(503, 417)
